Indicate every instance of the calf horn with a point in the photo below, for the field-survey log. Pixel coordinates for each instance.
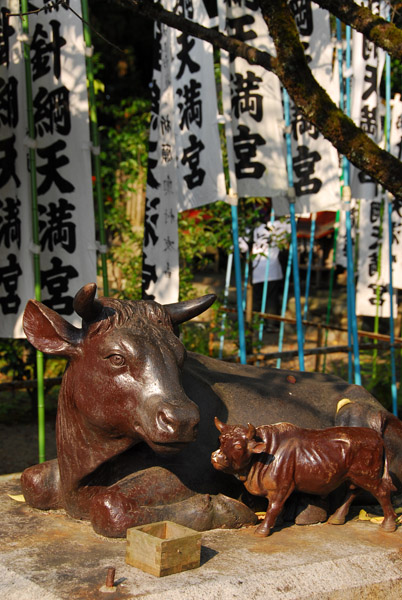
(250, 431)
(184, 311)
(219, 425)
(86, 305)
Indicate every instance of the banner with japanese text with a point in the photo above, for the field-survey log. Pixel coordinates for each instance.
(315, 161)
(373, 258)
(63, 165)
(396, 150)
(185, 167)
(253, 107)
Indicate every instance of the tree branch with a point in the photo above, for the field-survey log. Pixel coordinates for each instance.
(293, 71)
(317, 106)
(156, 12)
(383, 33)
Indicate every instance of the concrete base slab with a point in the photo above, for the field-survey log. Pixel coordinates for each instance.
(46, 555)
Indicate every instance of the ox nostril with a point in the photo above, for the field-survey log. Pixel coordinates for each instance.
(165, 422)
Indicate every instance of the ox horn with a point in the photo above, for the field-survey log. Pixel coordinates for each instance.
(250, 431)
(219, 425)
(184, 311)
(86, 305)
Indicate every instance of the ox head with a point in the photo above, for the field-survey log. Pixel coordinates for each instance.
(237, 446)
(123, 378)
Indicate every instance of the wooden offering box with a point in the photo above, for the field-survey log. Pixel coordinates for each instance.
(163, 548)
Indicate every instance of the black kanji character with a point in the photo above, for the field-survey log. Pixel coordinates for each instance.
(6, 31)
(8, 156)
(301, 10)
(236, 28)
(42, 50)
(52, 111)
(10, 222)
(9, 102)
(370, 77)
(57, 229)
(243, 98)
(9, 276)
(56, 280)
(304, 167)
(300, 125)
(191, 157)
(184, 57)
(151, 221)
(191, 105)
(245, 147)
(50, 169)
(368, 119)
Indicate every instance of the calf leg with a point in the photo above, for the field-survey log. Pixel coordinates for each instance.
(276, 501)
(339, 516)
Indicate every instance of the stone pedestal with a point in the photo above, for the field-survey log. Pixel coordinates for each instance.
(49, 556)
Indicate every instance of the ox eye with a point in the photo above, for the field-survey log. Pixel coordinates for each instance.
(117, 360)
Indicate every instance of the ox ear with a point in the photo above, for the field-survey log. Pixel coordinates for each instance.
(184, 311)
(48, 331)
(256, 447)
(219, 425)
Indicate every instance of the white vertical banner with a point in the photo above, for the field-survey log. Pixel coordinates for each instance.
(16, 272)
(373, 262)
(185, 167)
(256, 115)
(160, 271)
(198, 149)
(396, 150)
(63, 160)
(367, 65)
(315, 161)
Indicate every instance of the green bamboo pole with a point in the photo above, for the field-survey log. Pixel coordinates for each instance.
(35, 225)
(95, 143)
(331, 282)
(377, 295)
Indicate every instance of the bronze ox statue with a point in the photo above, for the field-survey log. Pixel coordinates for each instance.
(275, 460)
(135, 423)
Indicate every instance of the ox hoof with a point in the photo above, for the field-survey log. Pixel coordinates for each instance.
(229, 513)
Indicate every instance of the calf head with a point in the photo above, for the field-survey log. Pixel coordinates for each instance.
(237, 446)
(123, 377)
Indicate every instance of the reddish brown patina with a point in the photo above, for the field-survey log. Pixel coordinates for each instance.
(135, 423)
(275, 460)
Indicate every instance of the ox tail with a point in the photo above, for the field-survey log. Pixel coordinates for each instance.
(386, 477)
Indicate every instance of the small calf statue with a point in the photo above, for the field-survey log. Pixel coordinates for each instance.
(314, 461)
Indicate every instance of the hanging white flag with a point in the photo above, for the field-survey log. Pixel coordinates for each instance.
(254, 115)
(396, 150)
(160, 271)
(315, 161)
(373, 263)
(63, 163)
(185, 167)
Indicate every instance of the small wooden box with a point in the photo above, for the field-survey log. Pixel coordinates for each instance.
(163, 548)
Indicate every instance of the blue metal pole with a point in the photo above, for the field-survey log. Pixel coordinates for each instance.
(309, 264)
(225, 302)
(265, 288)
(240, 315)
(284, 304)
(291, 195)
(352, 320)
